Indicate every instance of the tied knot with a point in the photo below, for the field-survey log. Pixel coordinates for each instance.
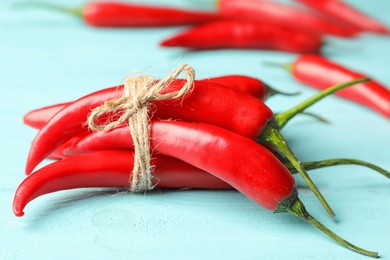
(133, 108)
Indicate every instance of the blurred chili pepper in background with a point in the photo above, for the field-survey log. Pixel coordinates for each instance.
(240, 34)
(342, 12)
(122, 14)
(285, 14)
(319, 72)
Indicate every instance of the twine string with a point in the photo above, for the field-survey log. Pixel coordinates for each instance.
(133, 106)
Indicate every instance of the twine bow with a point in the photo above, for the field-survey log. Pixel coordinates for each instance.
(138, 93)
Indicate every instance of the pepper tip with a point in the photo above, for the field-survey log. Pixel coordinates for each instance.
(18, 213)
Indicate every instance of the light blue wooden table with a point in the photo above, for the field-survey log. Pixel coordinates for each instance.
(46, 58)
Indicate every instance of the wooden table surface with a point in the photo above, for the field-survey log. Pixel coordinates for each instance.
(48, 57)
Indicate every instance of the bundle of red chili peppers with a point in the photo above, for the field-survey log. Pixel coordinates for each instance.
(244, 24)
(223, 117)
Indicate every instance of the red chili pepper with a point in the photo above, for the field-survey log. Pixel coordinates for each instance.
(208, 103)
(319, 72)
(248, 167)
(59, 153)
(108, 168)
(343, 12)
(37, 118)
(122, 14)
(238, 34)
(280, 13)
(177, 139)
(246, 84)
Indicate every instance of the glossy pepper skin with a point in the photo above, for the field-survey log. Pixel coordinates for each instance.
(319, 72)
(245, 34)
(108, 168)
(119, 14)
(206, 103)
(122, 14)
(345, 13)
(37, 118)
(280, 13)
(247, 166)
(246, 84)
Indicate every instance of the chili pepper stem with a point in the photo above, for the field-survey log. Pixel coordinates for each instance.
(287, 67)
(282, 118)
(271, 92)
(315, 116)
(338, 161)
(273, 137)
(75, 11)
(298, 209)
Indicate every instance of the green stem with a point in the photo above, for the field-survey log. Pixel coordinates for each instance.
(319, 118)
(287, 67)
(54, 7)
(338, 161)
(283, 118)
(271, 92)
(298, 209)
(272, 136)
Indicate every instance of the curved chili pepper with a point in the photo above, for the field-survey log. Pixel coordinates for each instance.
(345, 13)
(110, 168)
(193, 143)
(37, 118)
(280, 13)
(247, 84)
(238, 34)
(319, 72)
(60, 153)
(248, 167)
(208, 103)
(121, 14)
